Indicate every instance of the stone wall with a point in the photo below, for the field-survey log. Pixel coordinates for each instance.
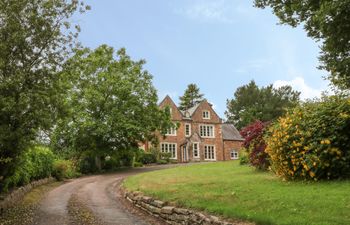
(17, 195)
(171, 214)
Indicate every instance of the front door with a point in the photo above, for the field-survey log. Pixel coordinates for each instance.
(184, 154)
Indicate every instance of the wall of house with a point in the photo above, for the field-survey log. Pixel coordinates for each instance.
(231, 145)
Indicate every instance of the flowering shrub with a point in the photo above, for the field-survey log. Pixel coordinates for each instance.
(255, 144)
(312, 141)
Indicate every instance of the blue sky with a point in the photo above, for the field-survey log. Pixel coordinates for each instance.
(217, 44)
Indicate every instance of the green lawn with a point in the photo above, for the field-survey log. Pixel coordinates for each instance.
(235, 191)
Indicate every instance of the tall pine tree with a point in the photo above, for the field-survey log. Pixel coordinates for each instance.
(191, 97)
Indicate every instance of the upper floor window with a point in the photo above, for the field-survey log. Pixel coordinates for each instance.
(187, 129)
(206, 130)
(234, 154)
(206, 114)
(171, 131)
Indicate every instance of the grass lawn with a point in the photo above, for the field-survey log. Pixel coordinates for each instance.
(231, 190)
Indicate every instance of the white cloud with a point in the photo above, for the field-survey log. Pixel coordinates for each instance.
(298, 83)
(222, 11)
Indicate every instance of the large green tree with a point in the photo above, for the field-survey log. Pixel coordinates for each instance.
(191, 97)
(251, 103)
(35, 38)
(112, 104)
(326, 21)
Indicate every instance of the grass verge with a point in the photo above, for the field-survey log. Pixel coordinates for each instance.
(234, 191)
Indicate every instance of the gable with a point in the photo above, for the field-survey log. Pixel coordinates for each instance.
(175, 112)
(197, 115)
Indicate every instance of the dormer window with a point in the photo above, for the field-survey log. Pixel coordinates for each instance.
(206, 114)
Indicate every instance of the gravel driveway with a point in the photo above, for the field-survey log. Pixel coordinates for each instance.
(98, 193)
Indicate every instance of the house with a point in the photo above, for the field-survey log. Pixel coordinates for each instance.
(201, 135)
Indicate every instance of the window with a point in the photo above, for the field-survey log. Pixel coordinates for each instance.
(206, 114)
(171, 131)
(169, 148)
(209, 152)
(234, 154)
(206, 130)
(195, 150)
(188, 129)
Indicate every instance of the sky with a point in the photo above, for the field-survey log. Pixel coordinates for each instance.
(219, 45)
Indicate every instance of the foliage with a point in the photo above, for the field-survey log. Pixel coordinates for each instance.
(244, 157)
(162, 161)
(64, 169)
(191, 97)
(255, 144)
(138, 164)
(148, 158)
(240, 192)
(326, 22)
(35, 163)
(251, 103)
(112, 102)
(35, 37)
(165, 156)
(312, 141)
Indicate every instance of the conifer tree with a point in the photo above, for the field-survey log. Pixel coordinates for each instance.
(191, 97)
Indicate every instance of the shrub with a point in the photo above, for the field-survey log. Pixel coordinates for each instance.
(64, 169)
(165, 156)
(162, 161)
(312, 141)
(35, 163)
(138, 164)
(255, 144)
(148, 158)
(243, 159)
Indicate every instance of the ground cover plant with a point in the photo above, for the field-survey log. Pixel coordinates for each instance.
(232, 190)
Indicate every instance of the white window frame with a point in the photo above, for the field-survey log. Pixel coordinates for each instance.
(205, 132)
(167, 148)
(212, 155)
(189, 129)
(198, 150)
(206, 114)
(234, 154)
(171, 131)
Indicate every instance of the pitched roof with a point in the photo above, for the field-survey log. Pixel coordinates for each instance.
(229, 132)
(190, 110)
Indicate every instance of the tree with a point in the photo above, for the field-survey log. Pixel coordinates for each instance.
(326, 22)
(251, 103)
(35, 38)
(113, 104)
(191, 97)
(255, 144)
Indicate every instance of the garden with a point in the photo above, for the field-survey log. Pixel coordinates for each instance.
(294, 170)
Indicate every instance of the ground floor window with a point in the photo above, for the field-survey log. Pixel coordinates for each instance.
(169, 148)
(209, 152)
(195, 150)
(234, 154)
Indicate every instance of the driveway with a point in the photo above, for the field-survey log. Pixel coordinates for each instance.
(99, 194)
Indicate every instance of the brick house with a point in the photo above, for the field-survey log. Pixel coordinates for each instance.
(201, 136)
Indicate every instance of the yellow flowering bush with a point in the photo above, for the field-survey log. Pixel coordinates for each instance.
(312, 141)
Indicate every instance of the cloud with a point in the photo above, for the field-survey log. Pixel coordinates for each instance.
(253, 65)
(298, 83)
(221, 11)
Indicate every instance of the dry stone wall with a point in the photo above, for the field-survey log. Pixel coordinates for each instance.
(17, 195)
(171, 214)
